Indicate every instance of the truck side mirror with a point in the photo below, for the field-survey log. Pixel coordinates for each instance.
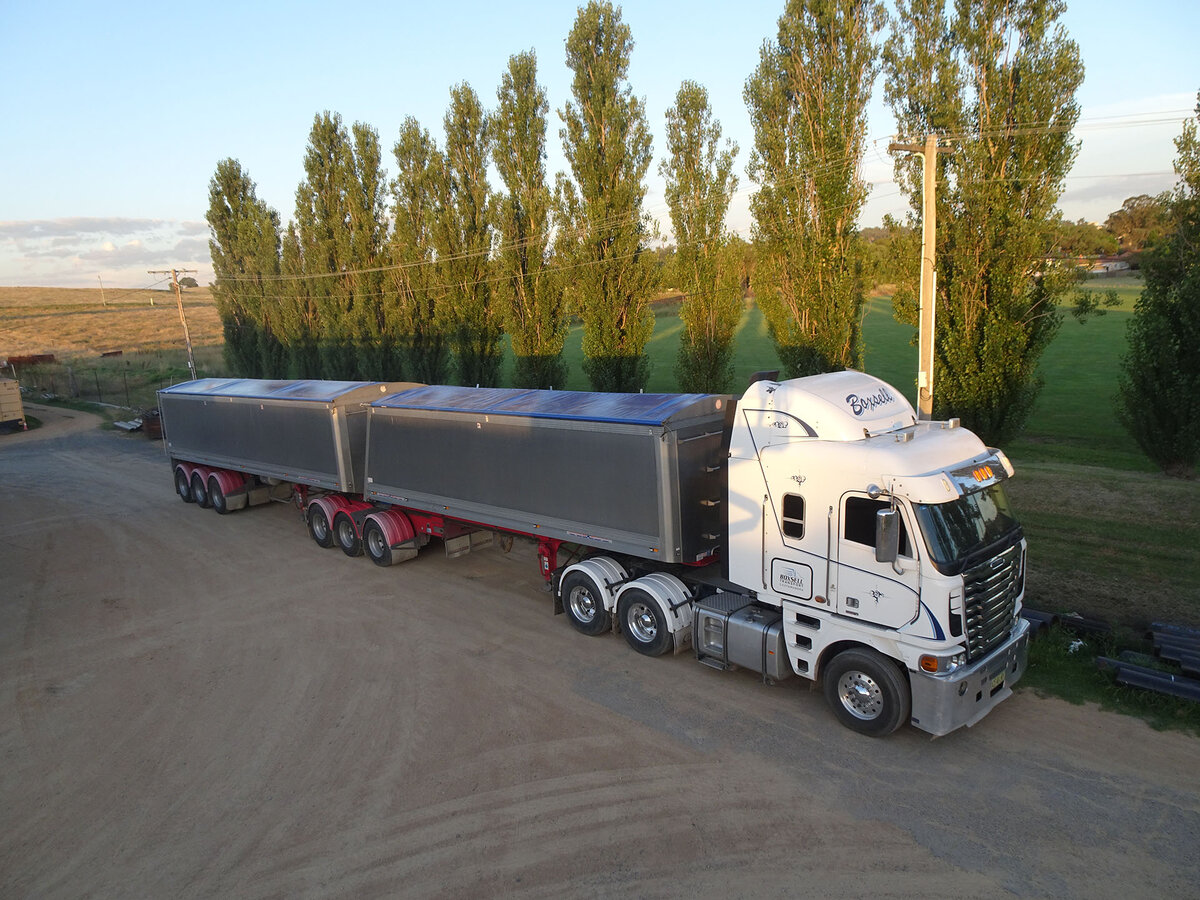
(887, 535)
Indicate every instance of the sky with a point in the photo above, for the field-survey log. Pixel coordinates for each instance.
(117, 114)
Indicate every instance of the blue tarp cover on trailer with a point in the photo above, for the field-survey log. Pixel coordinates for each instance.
(627, 409)
(264, 389)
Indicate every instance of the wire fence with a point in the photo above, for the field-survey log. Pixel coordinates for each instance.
(130, 381)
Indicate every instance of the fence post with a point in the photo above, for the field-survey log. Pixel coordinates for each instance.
(99, 396)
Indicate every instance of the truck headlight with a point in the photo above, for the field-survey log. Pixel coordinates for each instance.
(942, 665)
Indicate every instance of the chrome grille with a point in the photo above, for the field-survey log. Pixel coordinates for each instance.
(989, 606)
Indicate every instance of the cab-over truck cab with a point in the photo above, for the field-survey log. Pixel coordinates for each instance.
(886, 543)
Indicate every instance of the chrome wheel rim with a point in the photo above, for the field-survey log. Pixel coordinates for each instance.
(642, 623)
(583, 604)
(861, 695)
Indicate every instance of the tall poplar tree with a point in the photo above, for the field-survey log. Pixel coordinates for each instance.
(606, 140)
(299, 318)
(1159, 398)
(535, 314)
(324, 234)
(244, 246)
(463, 240)
(808, 101)
(700, 182)
(366, 217)
(998, 81)
(418, 317)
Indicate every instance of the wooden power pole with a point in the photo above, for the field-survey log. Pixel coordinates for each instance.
(929, 151)
(187, 337)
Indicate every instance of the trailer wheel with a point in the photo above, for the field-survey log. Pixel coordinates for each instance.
(867, 692)
(583, 602)
(199, 491)
(216, 496)
(643, 623)
(375, 542)
(347, 535)
(318, 527)
(183, 487)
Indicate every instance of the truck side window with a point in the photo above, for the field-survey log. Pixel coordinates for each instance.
(858, 523)
(793, 515)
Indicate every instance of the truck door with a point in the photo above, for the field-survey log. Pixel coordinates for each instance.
(861, 588)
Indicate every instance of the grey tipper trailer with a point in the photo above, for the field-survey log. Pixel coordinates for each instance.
(642, 474)
(305, 432)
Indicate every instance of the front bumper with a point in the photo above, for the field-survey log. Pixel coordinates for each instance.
(943, 703)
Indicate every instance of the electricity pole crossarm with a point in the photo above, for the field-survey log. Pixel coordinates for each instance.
(929, 151)
(187, 337)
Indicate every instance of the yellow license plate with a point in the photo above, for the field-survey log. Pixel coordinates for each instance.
(997, 680)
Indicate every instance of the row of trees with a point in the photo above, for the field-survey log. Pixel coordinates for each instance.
(340, 294)
(411, 277)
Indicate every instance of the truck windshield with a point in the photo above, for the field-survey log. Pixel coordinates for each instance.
(958, 530)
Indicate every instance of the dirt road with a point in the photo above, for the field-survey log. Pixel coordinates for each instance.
(194, 705)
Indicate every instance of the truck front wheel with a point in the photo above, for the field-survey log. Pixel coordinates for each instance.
(867, 692)
(583, 602)
(643, 623)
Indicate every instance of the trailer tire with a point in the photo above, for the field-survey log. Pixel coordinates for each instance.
(375, 542)
(318, 527)
(199, 491)
(347, 535)
(183, 486)
(867, 692)
(643, 623)
(583, 602)
(216, 496)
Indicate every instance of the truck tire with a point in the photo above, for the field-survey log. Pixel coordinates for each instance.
(199, 491)
(583, 602)
(643, 623)
(216, 496)
(183, 487)
(318, 527)
(867, 692)
(347, 535)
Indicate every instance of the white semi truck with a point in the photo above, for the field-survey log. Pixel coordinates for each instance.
(812, 527)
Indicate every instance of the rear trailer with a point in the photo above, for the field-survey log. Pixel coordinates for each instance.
(306, 432)
(636, 474)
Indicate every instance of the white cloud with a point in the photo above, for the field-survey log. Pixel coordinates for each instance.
(73, 252)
